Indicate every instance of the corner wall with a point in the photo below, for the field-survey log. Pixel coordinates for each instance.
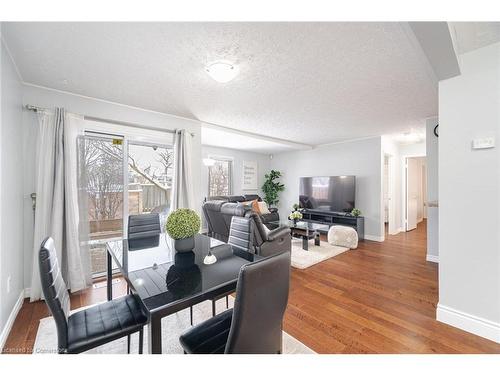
(469, 196)
(432, 151)
(361, 158)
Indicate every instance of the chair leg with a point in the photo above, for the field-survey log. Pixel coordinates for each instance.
(141, 340)
(191, 314)
(227, 302)
(213, 307)
(128, 344)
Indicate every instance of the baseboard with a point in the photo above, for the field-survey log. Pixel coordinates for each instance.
(374, 238)
(432, 258)
(10, 321)
(467, 322)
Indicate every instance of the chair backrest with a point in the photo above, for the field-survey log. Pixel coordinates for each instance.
(145, 225)
(261, 300)
(241, 233)
(260, 230)
(54, 290)
(215, 221)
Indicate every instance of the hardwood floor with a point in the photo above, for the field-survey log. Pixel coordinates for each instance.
(379, 298)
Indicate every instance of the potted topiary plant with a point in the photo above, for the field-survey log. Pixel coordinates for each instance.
(181, 226)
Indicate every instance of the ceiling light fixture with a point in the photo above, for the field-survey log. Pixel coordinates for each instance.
(222, 71)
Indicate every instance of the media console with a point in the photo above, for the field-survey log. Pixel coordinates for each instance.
(332, 218)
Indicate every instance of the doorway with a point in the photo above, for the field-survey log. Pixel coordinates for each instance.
(388, 193)
(415, 191)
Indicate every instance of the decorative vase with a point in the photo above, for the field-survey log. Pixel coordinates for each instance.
(184, 245)
(295, 221)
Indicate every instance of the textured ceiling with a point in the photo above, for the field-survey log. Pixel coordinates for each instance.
(312, 83)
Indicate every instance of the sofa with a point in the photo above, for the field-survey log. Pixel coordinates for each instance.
(219, 211)
(266, 218)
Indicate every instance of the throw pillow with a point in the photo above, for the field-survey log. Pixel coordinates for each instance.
(264, 210)
(255, 207)
(246, 204)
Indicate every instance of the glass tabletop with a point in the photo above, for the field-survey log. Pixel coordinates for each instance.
(163, 277)
(308, 226)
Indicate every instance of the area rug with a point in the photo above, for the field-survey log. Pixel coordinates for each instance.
(172, 327)
(306, 258)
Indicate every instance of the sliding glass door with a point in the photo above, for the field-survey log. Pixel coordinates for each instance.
(120, 177)
(150, 173)
(101, 193)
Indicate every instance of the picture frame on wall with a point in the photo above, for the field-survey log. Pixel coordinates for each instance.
(250, 175)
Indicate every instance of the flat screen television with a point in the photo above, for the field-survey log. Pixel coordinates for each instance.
(328, 193)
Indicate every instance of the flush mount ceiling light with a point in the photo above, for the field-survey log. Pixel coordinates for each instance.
(410, 137)
(222, 71)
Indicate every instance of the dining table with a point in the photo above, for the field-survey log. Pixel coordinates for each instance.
(167, 281)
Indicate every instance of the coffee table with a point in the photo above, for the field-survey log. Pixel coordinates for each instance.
(307, 231)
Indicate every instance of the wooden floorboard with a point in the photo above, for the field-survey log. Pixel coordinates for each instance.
(379, 298)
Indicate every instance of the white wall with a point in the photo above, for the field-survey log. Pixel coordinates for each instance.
(362, 158)
(11, 181)
(88, 106)
(432, 191)
(469, 188)
(263, 167)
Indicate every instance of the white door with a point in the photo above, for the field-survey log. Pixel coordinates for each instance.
(412, 192)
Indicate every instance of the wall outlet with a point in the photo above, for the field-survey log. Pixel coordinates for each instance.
(8, 284)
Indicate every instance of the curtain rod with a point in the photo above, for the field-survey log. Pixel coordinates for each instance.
(34, 108)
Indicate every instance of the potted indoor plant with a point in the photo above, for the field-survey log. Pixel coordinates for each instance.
(356, 212)
(272, 187)
(295, 216)
(181, 226)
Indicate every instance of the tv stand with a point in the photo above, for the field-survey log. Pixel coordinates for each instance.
(333, 218)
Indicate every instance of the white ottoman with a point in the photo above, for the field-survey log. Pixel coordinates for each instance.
(339, 235)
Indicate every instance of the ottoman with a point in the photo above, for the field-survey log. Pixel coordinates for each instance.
(339, 235)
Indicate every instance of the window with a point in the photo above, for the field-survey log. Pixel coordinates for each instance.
(220, 178)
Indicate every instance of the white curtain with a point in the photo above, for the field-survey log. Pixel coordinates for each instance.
(57, 214)
(182, 194)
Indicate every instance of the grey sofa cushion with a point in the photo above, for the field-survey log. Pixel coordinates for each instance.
(251, 197)
(235, 198)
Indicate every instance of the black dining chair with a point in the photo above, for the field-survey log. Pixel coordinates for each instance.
(145, 225)
(94, 326)
(240, 236)
(254, 325)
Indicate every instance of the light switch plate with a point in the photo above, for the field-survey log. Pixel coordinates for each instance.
(482, 143)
